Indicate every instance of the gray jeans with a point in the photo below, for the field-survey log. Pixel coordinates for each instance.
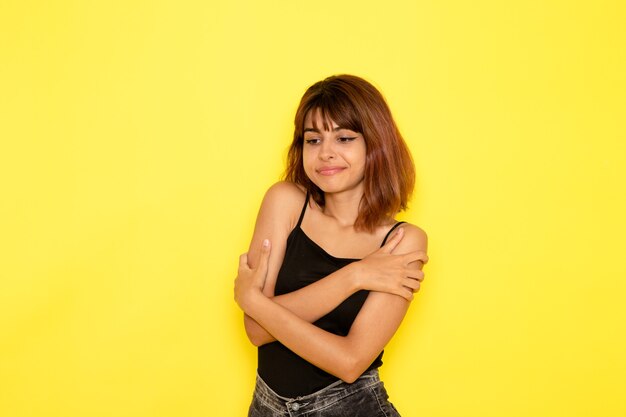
(365, 397)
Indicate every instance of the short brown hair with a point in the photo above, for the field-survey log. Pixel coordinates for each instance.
(355, 104)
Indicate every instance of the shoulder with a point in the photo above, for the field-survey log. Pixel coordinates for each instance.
(277, 216)
(285, 194)
(286, 190)
(414, 239)
(284, 200)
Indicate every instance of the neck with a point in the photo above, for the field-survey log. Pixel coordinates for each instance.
(344, 206)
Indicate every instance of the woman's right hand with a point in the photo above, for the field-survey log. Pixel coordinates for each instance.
(383, 271)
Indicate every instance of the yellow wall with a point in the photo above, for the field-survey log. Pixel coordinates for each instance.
(138, 137)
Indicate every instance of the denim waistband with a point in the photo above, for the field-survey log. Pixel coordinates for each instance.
(319, 399)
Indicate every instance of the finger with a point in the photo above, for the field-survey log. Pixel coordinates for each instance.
(265, 255)
(412, 284)
(391, 244)
(404, 292)
(243, 260)
(417, 274)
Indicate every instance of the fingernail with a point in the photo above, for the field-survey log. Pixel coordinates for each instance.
(266, 243)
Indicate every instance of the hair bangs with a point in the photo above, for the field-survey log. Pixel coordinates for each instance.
(337, 109)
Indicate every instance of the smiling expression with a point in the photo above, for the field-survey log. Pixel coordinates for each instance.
(334, 160)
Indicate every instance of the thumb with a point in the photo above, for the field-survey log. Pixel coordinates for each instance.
(391, 244)
(265, 256)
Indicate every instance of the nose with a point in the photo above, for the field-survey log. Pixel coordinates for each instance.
(327, 150)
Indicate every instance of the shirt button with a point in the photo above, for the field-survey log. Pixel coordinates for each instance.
(295, 406)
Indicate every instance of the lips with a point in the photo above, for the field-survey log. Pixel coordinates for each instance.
(330, 170)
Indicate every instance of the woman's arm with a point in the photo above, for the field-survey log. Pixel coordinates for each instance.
(308, 303)
(345, 357)
(380, 271)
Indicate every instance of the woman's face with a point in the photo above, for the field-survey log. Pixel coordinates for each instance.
(333, 160)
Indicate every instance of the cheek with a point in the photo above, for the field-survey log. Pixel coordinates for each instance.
(307, 159)
(359, 156)
(359, 153)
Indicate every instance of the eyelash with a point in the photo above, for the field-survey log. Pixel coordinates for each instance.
(343, 139)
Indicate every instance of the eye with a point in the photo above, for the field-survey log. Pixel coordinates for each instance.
(346, 139)
(312, 141)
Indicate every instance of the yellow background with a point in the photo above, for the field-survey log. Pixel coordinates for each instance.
(138, 138)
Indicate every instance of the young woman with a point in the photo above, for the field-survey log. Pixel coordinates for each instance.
(330, 274)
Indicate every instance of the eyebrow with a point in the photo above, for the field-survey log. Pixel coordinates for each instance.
(312, 129)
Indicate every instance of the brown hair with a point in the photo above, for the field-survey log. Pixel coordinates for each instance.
(355, 104)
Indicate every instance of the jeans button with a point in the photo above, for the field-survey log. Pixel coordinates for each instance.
(295, 406)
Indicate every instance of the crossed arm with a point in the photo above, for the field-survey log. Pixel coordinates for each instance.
(377, 272)
(343, 356)
(288, 317)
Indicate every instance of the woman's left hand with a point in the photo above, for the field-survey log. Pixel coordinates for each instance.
(250, 281)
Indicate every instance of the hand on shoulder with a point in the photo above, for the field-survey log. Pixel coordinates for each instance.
(395, 268)
(414, 239)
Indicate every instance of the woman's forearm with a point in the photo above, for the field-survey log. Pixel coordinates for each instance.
(346, 357)
(325, 350)
(311, 302)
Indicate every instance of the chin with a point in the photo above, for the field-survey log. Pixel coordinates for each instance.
(327, 188)
(334, 188)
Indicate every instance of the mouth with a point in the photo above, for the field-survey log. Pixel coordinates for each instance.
(328, 171)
